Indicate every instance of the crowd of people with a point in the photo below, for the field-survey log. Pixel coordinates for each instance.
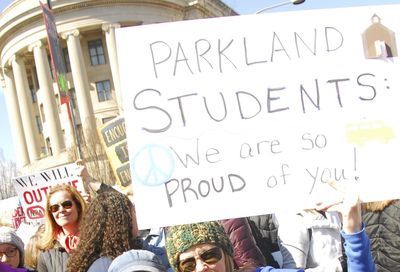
(102, 235)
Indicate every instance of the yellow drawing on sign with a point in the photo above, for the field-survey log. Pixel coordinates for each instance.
(361, 132)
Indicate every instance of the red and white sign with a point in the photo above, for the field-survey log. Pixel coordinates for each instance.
(33, 189)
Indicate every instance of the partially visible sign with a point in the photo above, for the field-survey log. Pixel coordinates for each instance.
(11, 212)
(18, 216)
(33, 189)
(113, 137)
(56, 54)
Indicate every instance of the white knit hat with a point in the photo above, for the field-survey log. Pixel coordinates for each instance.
(9, 236)
(137, 260)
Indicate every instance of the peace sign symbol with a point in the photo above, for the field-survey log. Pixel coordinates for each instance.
(153, 165)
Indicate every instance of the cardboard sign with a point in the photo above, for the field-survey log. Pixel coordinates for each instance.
(113, 138)
(245, 115)
(32, 190)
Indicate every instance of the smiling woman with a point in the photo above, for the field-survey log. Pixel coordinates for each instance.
(64, 209)
(198, 247)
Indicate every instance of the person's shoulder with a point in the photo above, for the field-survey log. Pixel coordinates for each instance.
(271, 269)
(53, 260)
(396, 204)
(291, 220)
(101, 264)
(54, 252)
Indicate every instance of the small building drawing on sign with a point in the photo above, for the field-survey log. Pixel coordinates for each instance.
(361, 132)
(378, 40)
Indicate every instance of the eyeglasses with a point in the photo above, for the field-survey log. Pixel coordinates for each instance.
(211, 256)
(10, 252)
(67, 204)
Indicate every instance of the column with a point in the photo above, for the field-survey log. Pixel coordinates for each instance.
(81, 83)
(14, 116)
(49, 104)
(109, 30)
(25, 107)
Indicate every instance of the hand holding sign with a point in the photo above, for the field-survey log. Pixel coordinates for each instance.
(347, 202)
(81, 171)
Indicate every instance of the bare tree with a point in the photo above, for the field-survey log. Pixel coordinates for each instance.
(8, 170)
(95, 159)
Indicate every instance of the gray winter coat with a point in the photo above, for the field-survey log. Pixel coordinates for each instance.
(383, 229)
(53, 260)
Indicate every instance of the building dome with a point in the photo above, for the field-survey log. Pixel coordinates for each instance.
(40, 125)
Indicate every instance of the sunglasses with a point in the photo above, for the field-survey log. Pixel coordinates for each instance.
(67, 204)
(10, 252)
(211, 256)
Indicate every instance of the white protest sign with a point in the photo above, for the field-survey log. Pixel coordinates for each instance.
(244, 115)
(32, 189)
(11, 212)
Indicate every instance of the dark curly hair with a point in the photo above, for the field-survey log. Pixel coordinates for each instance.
(106, 231)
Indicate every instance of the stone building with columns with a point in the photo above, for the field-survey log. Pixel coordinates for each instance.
(39, 123)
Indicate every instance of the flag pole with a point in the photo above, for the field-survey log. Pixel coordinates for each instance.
(71, 117)
(59, 71)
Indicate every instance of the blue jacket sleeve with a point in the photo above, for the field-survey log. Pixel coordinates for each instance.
(359, 258)
(271, 269)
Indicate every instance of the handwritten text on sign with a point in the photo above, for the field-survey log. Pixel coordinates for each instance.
(32, 190)
(237, 116)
